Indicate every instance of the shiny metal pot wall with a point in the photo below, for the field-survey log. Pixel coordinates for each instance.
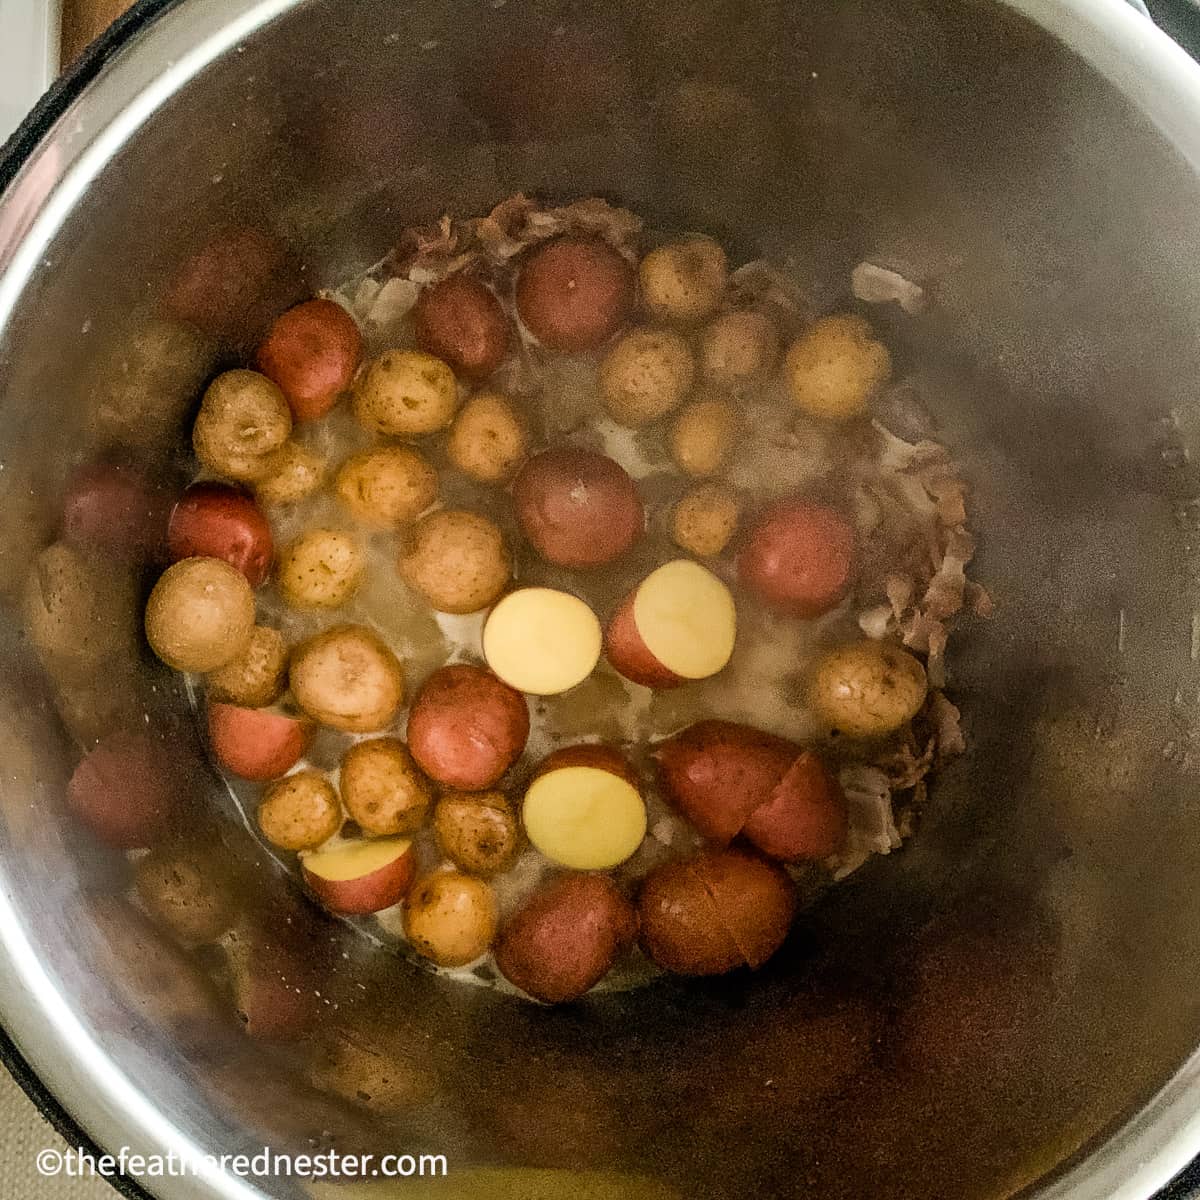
(1012, 1001)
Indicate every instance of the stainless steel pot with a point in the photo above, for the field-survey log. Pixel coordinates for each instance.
(1010, 1004)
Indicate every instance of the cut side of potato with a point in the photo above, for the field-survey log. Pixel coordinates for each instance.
(361, 877)
(542, 641)
(584, 817)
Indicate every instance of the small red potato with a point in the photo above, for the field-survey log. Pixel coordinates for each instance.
(347, 678)
(541, 641)
(566, 937)
(716, 773)
(755, 900)
(114, 510)
(258, 676)
(214, 520)
(256, 743)
(574, 293)
(124, 791)
(311, 353)
(460, 321)
(804, 817)
(583, 808)
(682, 282)
(382, 789)
(798, 558)
(868, 688)
(578, 508)
(678, 624)
(451, 918)
(478, 831)
(457, 560)
(680, 929)
(186, 892)
(300, 811)
(200, 615)
(466, 727)
(361, 877)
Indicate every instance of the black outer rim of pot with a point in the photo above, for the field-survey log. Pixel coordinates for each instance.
(1180, 18)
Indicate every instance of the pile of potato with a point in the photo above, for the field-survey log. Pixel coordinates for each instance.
(434, 796)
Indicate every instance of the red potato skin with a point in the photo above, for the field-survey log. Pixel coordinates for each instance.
(214, 520)
(566, 938)
(114, 510)
(466, 727)
(578, 508)
(461, 322)
(369, 893)
(755, 900)
(630, 655)
(798, 558)
(590, 754)
(123, 790)
(716, 773)
(311, 353)
(805, 817)
(574, 293)
(681, 930)
(255, 743)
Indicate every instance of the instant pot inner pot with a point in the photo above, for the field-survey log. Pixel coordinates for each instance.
(973, 1010)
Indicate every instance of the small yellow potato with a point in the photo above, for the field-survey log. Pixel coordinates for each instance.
(300, 811)
(451, 918)
(200, 615)
(348, 679)
(257, 677)
(488, 440)
(457, 560)
(242, 426)
(702, 436)
(299, 472)
(646, 375)
(322, 568)
(383, 789)
(738, 348)
(868, 688)
(704, 521)
(833, 369)
(406, 393)
(478, 831)
(541, 641)
(386, 486)
(683, 281)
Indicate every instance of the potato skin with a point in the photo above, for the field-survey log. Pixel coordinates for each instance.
(577, 507)
(297, 475)
(683, 281)
(646, 375)
(704, 521)
(589, 754)
(833, 369)
(185, 891)
(450, 918)
(466, 727)
(382, 788)
(348, 679)
(798, 557)
(124, 791)
(311, 353)
(214, 520)
(566, 937)
(460, 321)
(257, 677)
(755, 900)
(200, 615)
(488, 439)
(477, 831)
(242, 426)
(868, 689)
(805, 816)
(457, 560)
(322, 568)
(256, 743)
(738, 348)
(406, 393)
(300, 811)
(386, 486)
(702, 436)
(574, 293)
(680, 929)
